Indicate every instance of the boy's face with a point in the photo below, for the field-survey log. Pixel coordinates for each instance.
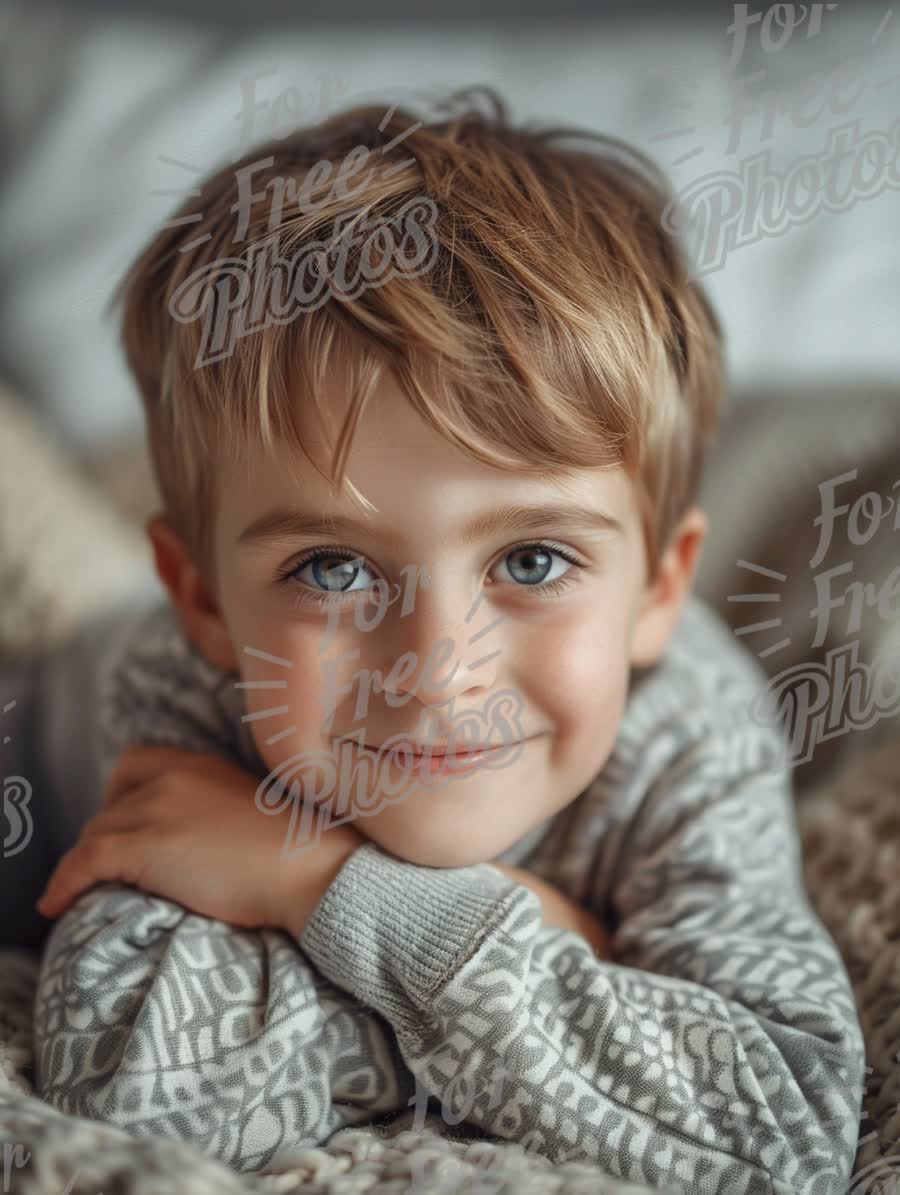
(489, 655)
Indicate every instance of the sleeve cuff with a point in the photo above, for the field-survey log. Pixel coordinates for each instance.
(393, 932)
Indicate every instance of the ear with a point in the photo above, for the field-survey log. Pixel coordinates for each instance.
(664, 597)
(195, 605)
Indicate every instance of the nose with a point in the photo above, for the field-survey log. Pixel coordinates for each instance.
(444, 653)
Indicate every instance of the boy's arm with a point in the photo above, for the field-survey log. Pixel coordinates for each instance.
(158, 1020)
(720, 1052)
(162, 1022)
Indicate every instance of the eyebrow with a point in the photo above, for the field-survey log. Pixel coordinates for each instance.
(283, 524)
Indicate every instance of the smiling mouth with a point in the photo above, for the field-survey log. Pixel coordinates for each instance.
(438, 760)
(436, 752)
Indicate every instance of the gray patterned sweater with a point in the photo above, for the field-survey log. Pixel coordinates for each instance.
(721, 1052)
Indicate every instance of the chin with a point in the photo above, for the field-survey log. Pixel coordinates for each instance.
(428, 849)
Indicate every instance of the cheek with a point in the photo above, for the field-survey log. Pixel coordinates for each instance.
(580, 667)
(587, 700)
(288, 702)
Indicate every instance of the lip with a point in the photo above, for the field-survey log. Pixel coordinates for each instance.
(441, 753)
(453, 763)
(435, 751)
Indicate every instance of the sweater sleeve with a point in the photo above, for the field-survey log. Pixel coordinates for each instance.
(165, 1023)
(719, 1052)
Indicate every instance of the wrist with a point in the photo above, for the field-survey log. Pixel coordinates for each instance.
(559, 912)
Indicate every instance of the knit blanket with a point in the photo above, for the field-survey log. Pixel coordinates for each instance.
(850, 830)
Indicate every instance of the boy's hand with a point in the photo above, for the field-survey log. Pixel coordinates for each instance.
(560, 911)
(184, 825)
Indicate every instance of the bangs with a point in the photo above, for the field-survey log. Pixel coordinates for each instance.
(553, 329)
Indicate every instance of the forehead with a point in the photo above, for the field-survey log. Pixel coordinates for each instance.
(402, 466)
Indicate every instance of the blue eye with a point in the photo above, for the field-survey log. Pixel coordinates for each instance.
(342, 569)
(344, 566)
(538, 563)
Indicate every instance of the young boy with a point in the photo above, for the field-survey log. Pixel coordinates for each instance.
(438, 353)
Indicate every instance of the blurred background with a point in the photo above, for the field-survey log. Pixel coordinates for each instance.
(777, 126)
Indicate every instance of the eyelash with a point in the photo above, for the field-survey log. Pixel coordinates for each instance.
(288, 576)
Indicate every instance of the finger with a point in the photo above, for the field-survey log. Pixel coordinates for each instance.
(124, 815)
(69, 880)
(91, 862)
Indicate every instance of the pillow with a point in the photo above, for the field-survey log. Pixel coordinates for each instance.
(65, 551)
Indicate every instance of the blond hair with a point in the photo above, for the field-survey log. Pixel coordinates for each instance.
(555, 327)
